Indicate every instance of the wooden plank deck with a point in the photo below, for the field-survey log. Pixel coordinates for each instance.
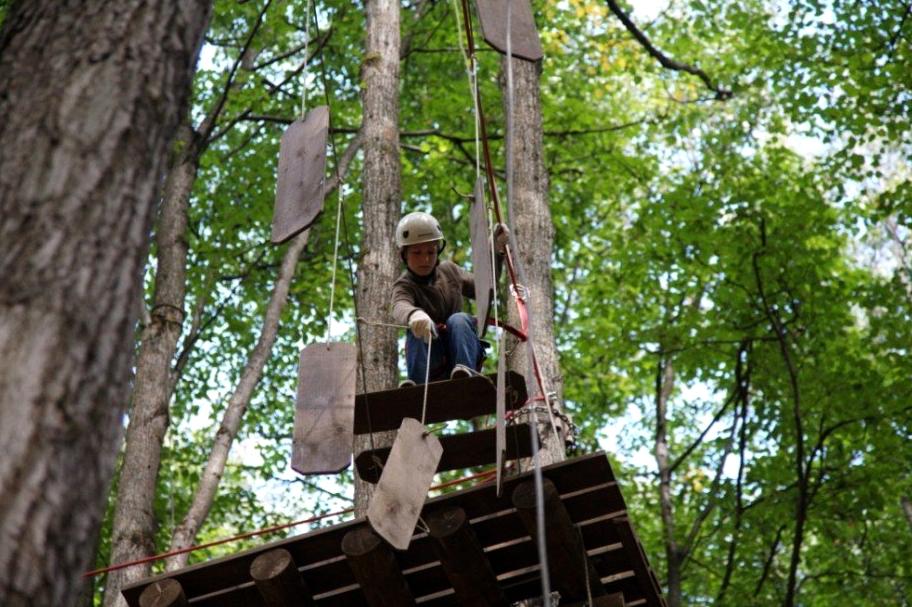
(588, 491)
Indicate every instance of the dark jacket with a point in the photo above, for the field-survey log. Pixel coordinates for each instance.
(439, 294)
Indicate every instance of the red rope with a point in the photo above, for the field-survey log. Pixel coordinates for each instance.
(264, 531)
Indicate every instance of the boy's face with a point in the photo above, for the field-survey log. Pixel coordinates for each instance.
(421, 258)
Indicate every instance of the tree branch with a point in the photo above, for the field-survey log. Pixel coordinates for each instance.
(668, 63)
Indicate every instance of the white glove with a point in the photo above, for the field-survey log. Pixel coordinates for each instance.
(422, 326)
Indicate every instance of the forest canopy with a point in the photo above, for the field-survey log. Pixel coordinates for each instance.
(730, 189)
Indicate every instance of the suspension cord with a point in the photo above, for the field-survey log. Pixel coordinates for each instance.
(427, 377)
(351, 270)
(305, 72)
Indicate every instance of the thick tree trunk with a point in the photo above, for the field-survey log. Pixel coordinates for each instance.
(533, 231)
(663, 390)
(91, 95)
(134, 523)
(381, 197)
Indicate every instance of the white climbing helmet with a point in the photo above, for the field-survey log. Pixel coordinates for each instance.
(418, 227)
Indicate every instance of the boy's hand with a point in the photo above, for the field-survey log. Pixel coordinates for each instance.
(422, 326)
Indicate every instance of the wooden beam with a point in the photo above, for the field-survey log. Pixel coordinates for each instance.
(163, 593)
(463, 559)
(375, 568)
(278, 580)
(459, 451)
(567, 561)
(639, 563)
(446, 400)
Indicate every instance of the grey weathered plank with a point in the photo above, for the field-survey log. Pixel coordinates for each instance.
(324, 408)
(482, 266)
(396, 504)
(524, 40)
(301, 174)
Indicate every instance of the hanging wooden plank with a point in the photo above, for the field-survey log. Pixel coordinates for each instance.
(301, 174)
(404, 484)
(446, 400)
(500, 441)
(482, 267)
(460, 451)
(324, 408)
(278, 580)
(524, 42)
(375, 568)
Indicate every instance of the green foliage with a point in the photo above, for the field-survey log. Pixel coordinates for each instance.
(758, 245)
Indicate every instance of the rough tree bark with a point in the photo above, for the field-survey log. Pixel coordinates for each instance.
(381, 197)
(533, 231)
(133, 527)
(91, 96)
(185, 533)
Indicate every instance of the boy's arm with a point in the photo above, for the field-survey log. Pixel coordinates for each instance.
(403, 305)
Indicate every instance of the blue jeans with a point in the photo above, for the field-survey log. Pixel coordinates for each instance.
(458, 344)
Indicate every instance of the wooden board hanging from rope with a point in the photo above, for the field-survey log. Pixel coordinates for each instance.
(300, 180)
(324, 409)
(482, 268)
(396, 504)
(524, 42)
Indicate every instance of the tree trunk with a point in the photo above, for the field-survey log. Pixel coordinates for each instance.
(133, 529)
(91, 96)
(533, 232)
(379, 263)
(663, 390)
(185, 533)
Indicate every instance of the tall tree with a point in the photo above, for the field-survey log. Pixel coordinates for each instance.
(98, 92)
(381, 204)
(530, 217)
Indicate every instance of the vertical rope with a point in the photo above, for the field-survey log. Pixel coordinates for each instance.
(305, 72)
(427, 376)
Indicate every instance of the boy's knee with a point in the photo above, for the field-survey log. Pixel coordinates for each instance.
(460, 319)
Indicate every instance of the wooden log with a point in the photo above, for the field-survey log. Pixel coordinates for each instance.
(446, 400)
(163, 593)
(375, 568)
(466, 450)
(278, 580)
(567, 560)
(463, 560)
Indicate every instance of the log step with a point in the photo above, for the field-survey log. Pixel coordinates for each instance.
(447, 400)
(459, 451)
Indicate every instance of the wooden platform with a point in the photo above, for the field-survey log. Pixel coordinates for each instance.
(588, 492)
